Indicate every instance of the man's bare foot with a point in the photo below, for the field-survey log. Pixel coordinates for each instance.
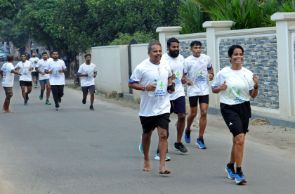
(147, 166)
(6, 111)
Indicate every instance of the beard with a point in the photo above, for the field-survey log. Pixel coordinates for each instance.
(174, 54)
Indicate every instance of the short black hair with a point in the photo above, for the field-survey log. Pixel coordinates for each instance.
(87, 54)
(232, 48)
(152, 43)
(44, 53)
(170, 40)
(10, 58)
(195, 43)
(54, 51)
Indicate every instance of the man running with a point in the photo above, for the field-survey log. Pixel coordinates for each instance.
(7, 72)
(154, 80)
(24, 67)
(198, 71)
(44, 77)
(87, 73)
(56, 69)
(35, 74)
(177, 98)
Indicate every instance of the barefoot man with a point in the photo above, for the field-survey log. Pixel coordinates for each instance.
(154, 80)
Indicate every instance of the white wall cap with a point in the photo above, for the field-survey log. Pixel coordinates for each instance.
(169, 29)
(218, 24)
(283, 16)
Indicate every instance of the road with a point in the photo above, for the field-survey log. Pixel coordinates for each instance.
(78, 151)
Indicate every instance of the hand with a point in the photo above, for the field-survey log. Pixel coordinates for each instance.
(183, 80)
(211, 76)
(61, 71)
(171, 88)
(223, 86)
(189, 82)
(150, 87)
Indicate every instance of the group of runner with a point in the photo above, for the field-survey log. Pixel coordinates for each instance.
(162, 79)
(50, 73)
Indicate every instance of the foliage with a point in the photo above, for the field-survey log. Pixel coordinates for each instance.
(126, 38)
(191, 16)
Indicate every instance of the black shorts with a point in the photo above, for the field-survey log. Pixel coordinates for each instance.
(35, 74)
(236, 117)
(90, 89)
(8, 91)
(25, 83)
(178, 105)
(193, 100)
(150, 123)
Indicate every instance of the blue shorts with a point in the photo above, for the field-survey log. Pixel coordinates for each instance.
(178, 105)
(44, 82)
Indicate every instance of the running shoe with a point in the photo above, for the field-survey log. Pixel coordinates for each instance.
(200, 143)
(41, 97)
(157, 157)
(47, 102)
(180, 147)
(230, 173)
(84, 101)
(91, 107)
(240, 179)
(187, 136)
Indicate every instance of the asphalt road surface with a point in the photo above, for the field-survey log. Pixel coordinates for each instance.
(78, 151)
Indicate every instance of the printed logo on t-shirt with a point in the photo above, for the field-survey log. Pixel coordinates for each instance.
(160, 89)
(178, 79)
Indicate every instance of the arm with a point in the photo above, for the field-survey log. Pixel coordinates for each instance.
(210, 73)
(220, 88)
(137, 86)
(254, 91)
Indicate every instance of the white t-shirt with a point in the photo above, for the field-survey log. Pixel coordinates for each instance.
(87, 69)
(239, 83)
(8, 77)
(196, 69)
(34, 61)
(42, 65)
(25, 70)
(56, 78)
(157, 102)
(176, 66)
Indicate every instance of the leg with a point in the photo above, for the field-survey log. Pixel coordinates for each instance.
(84, 94)
(48, 89)
(60, 91)
(9, 94)
(238, 149)
(42, 84)
(180, 126)
(203, 119)
(191, 117)
(163, 143)
(24, 94)
(54, 89)
(146, 142)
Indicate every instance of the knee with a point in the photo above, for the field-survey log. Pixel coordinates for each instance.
(204, 113)
(239, 140)
(181, 116)
(193, 114)
(8, 96)
(163, 135)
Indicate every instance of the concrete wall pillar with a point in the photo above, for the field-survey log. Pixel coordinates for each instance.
(164, 32)
(212, 27)
(285, 67)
